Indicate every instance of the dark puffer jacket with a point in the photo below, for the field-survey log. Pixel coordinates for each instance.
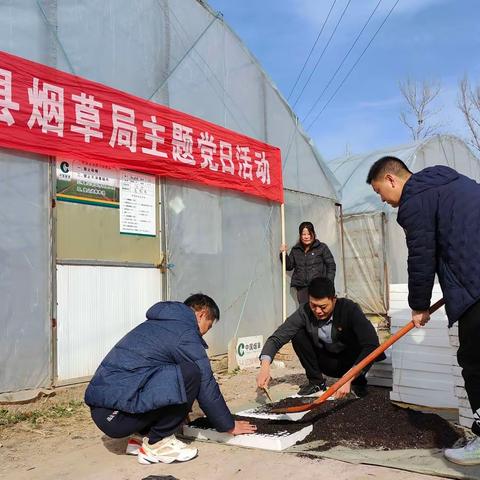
(440, 213)
(141, 373)
(317, 262)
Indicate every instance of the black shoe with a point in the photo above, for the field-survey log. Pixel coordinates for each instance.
(311, 388)
(360, 390)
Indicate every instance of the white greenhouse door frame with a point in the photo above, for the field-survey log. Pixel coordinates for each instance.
(97, 303)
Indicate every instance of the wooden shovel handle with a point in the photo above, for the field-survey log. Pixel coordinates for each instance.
(356, 369)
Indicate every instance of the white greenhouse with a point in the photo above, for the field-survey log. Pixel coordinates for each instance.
(71, 285)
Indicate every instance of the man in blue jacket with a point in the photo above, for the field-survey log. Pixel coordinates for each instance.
(147, 383)
(439, 209)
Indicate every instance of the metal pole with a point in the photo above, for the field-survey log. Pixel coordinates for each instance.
(284, 266)
(342, 242)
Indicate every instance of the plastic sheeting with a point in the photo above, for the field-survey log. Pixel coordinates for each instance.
(351, 172)
(227, 246)
(220, 244)
(365, 261)
(25, 342)
(180, 54)
(366, 236)
(224, 244)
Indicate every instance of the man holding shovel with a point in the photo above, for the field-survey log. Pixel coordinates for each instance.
(439, 209)
(329, 335)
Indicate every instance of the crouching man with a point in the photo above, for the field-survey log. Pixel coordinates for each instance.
(329, 335)
(147, 384)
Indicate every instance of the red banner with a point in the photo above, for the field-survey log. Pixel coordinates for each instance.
(50, 112)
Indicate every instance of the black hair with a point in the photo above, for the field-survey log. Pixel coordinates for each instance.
(198, 301)
(387, 165)
(309, 226)
(321, 287)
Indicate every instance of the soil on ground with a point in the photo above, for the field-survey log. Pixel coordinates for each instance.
(369, 422)
(284, 403)
(375, 422)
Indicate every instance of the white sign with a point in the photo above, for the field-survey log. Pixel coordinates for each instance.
(248, 350)
(137, 204)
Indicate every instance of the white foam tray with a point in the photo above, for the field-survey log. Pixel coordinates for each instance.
(264, 442)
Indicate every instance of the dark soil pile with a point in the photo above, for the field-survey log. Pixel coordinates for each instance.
(286, 402)
(375, 422)
(368, 422)
(264, 426)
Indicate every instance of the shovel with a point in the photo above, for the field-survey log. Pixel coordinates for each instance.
(355, 370)
(267, 393)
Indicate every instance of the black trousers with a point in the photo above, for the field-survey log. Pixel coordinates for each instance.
(318, 362)
(156, 424)
(302, 295)
(468, 357)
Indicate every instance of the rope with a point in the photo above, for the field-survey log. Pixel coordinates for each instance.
(53, 29)
(184, 56)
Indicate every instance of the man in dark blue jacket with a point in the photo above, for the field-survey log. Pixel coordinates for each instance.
(439, 209)
(148, 382)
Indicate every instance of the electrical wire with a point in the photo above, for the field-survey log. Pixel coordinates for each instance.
(353, 66)
(323, 52)
(342, 62)
(311, 50)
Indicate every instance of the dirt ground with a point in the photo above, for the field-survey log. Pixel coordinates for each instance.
(59, 441)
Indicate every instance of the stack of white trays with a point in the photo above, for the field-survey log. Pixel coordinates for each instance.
(422, 359)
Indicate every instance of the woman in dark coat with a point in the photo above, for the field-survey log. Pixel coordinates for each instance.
(308, 259)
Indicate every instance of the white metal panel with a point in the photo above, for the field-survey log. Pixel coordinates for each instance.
(96, 307)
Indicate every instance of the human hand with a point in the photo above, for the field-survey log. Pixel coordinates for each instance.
(283, 247)
(263, 377)
(343, 391)
(420, 317)
(242, 427)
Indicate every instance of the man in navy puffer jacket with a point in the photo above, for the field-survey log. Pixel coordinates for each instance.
(439, 209)
(148, 382)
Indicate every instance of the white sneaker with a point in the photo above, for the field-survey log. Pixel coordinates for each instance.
(467, 455)
(166, 451)
(133, 445)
